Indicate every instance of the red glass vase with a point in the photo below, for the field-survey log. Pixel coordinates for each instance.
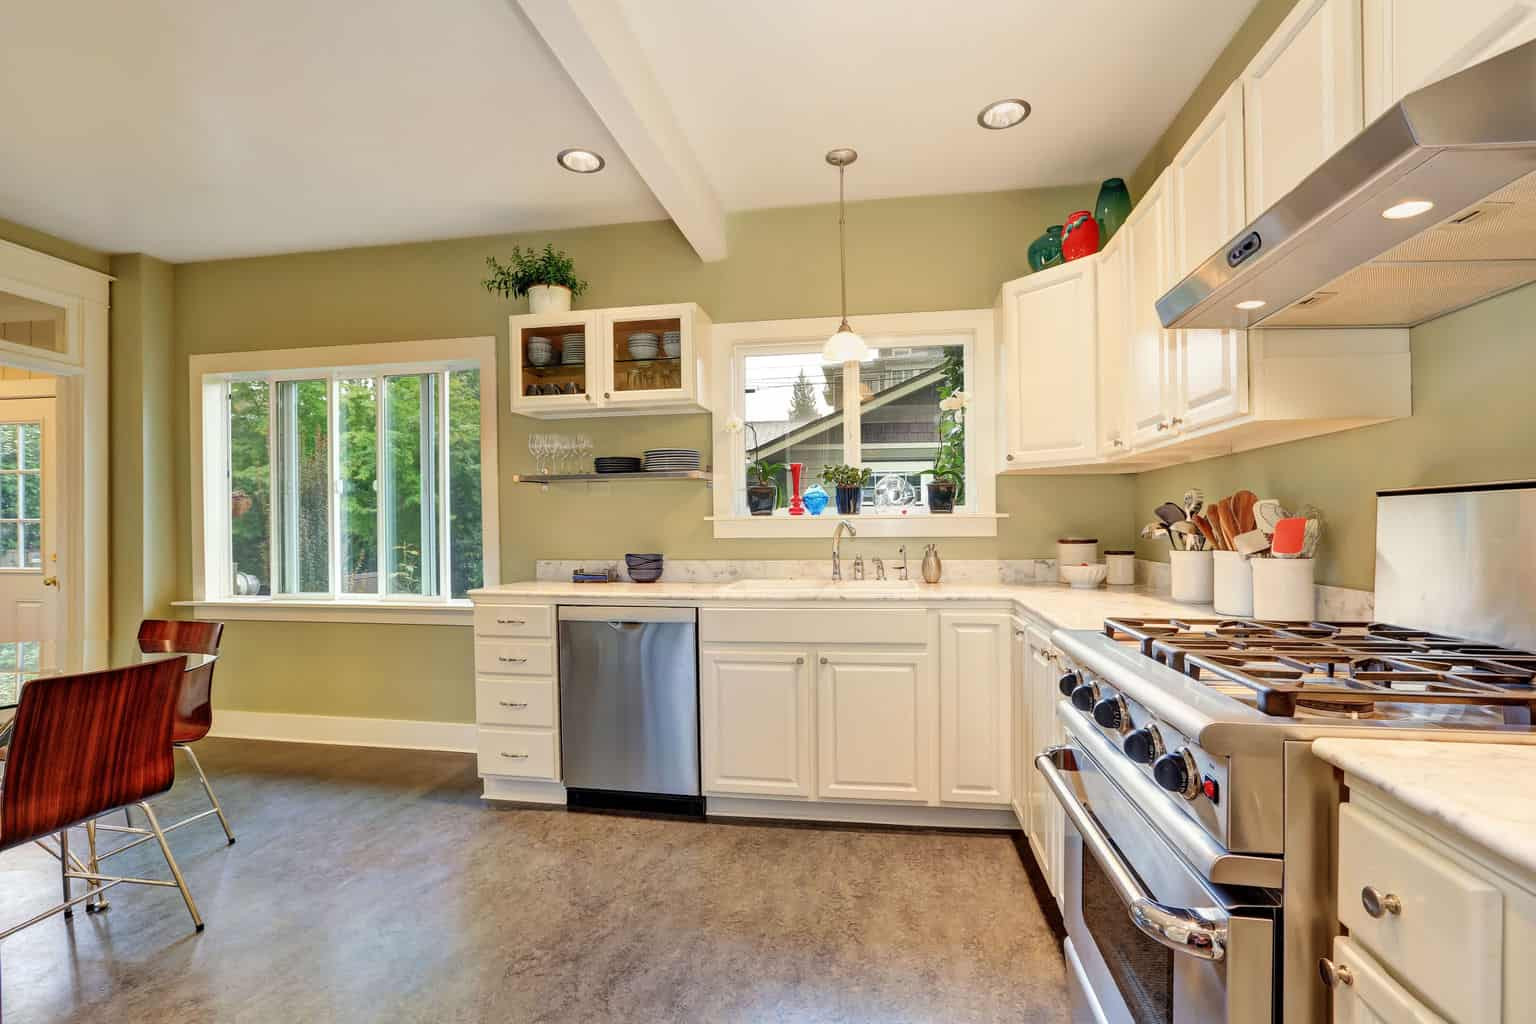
(1081, 237)
(796, 506)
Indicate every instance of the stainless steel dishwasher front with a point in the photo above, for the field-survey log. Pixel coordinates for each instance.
(629, 700)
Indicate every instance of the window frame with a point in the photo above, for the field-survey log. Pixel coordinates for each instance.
(733, 342)
(210, 376)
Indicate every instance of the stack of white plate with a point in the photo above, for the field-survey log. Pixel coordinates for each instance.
(671, 343)
(643, 345)
(573, 349)
(660, 459)
(540, 351)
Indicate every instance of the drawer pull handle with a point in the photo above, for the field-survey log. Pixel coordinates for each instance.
(515, 757)
(1378, 903)
(513, 703)
(1333, 974)
(511, 622)
(510, 661)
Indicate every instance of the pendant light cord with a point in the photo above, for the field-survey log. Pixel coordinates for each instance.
(842, 243)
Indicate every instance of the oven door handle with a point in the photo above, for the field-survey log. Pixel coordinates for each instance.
(1194, 931)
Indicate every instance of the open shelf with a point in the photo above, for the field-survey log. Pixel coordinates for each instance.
(588, 478)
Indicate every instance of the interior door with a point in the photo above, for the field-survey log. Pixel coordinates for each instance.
(1411, 43)
(29, 586)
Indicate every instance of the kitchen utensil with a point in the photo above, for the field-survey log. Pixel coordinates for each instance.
(1207, 531)
(1267, 512)
(1242, 509)
(1170, 513)
(1085, 575)
(1226, 527)
(1290, 538)
(1155, 531)
(1310, 539)
(1251, 543)
(1193, 540)
(1194, 501)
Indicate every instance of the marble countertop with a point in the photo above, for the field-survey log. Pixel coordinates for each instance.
(1056, 603)
(1478, 790)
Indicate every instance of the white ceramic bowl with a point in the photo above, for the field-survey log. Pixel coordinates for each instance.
(1085, 576)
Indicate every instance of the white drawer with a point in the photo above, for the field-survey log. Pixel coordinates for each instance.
(515, 702)
(510, 657)
(514, 620)
(814, 624)
(1370, 996)
(1446, 936)
(524, 753)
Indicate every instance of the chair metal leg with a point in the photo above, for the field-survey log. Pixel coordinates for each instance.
(228, 833)
(165, 848)
(64, 869)
(101, 902)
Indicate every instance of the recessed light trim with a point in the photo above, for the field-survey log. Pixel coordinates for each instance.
(1408, 208)
(580, 161)
(1251, 304)
(1003, 114)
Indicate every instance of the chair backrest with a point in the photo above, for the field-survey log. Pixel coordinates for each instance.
(86, 744)
(171, 636)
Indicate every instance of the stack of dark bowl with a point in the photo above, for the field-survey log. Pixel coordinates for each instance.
(644, 568)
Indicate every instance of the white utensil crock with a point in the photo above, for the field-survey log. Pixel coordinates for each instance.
(1192, 576)
(549, 298)
(1234, 584)
(1283, 588)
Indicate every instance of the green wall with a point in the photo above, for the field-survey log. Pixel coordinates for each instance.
(930, 253)
(20, 234)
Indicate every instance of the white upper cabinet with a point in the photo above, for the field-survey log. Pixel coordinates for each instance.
(974, 716)
(1210, 367)
(1411, 43)
(1048, 321)
(1114, 316)
(1302, 97)
(1149, 264)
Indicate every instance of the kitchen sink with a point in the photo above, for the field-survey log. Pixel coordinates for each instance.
(853, 586)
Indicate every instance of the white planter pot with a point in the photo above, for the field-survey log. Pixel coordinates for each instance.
(549, 298)
(1192, 576)
(1233, 594)
(1283, 589)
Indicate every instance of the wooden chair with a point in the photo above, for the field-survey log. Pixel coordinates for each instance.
(80, 747)
(194, 704)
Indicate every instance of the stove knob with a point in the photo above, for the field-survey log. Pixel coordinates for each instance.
(1085, 697)
(1144, 745)
(1176, 772)
(1112, 713)
(1068, 682)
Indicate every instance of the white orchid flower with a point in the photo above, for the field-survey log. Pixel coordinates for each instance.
(734, 425)
(956, 403)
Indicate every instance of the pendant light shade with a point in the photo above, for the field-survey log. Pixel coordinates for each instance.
(845, 346)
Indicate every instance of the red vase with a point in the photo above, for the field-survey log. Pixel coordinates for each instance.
(1081, 237)
(796, 506)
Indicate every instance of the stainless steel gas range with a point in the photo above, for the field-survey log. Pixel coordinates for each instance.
(1199, 881)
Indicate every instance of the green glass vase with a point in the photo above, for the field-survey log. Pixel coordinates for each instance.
(1045, 251)
(1111, 208)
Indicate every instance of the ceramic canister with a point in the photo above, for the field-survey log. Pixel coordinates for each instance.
(1122, 568)
(1233, 590)
(1283, 589)
(1192, 575)
(1074, 551)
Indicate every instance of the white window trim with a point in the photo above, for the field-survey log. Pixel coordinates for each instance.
(208, 375)
(735, 340)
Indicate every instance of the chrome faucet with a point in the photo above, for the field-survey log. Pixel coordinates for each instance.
(879, 567)
(858, 567)
(903, 570)
(837, 546)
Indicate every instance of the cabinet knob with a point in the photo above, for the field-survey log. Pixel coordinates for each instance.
(799, 661)
(1333, 974)
(607, 395)
(1010, 457)
(1162, 425)
(823, 661)
(1378, 903)
(589, 398)
(1175, 421)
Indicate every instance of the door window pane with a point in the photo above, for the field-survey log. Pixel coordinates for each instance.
(357, 406)
(303, 485)
(10, 546)
(410, 484)
(8, 446)
(467, 566)
(250, 477)
(904, 434)
(793, 406)
(32, 544)
(10, 499)
(30, 436)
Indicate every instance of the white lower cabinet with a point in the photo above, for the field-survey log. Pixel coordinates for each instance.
(875, 725)
(1019, 734)
(1366, 994)
(975, 765)
(755, 714)
(1046, 825)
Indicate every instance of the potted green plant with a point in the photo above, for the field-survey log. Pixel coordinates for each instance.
(547, 277)
(762, 491)
(949, 463)
(848, 483)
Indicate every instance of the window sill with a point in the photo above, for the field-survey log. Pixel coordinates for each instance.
(969, 524)
(393, 612)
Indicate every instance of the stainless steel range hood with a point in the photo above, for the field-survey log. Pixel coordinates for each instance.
(1324, 256)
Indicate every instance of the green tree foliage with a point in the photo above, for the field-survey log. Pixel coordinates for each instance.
(802, 400)
(949, 464)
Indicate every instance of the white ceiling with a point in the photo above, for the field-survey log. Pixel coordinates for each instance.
(207, 130)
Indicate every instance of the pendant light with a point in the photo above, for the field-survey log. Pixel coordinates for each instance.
(845, 346)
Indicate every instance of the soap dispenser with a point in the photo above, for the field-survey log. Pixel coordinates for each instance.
(933, 567)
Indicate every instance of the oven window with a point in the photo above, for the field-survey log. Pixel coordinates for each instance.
(1142, 969)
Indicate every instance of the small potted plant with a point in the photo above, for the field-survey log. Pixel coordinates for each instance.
(762, 490)
(548, 278)
(941, 493)
(848, 483)
(949, 463)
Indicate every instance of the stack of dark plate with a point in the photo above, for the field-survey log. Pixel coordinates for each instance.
(660, 459)
(616, 464)
(644, 568)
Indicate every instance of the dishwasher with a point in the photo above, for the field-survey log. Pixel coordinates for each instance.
(629, 708)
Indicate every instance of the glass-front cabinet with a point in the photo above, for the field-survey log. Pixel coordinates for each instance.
(629, 360)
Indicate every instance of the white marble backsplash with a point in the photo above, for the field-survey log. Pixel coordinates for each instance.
(684, 570)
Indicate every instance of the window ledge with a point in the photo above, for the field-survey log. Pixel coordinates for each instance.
(392, 612)
(965, 524)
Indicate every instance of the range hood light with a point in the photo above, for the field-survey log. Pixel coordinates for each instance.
(1251, 304)
(1408, 208)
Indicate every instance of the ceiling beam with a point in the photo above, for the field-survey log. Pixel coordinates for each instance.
(592, 39)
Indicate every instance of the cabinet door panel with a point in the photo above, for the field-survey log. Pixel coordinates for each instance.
(1213, 376)
(974, 762)
(1019, 700)
(1372, 997)
(755, 721)
(1050, 333)
(875, 726)
(1301, 98)
(1041, 682)
(1114, 322)
(1149, 254)
(1411, 43)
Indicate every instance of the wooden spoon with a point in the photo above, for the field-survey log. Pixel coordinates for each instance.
(1242, 510)
(1206, 531)
(1229, 530)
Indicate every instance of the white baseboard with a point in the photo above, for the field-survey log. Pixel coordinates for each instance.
(347, 732)
(860, 814)
(523, 791)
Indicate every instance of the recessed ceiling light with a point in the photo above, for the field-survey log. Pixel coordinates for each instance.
(1251, 304)
(1003, 114)
(582, 161)
(1408, 208)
